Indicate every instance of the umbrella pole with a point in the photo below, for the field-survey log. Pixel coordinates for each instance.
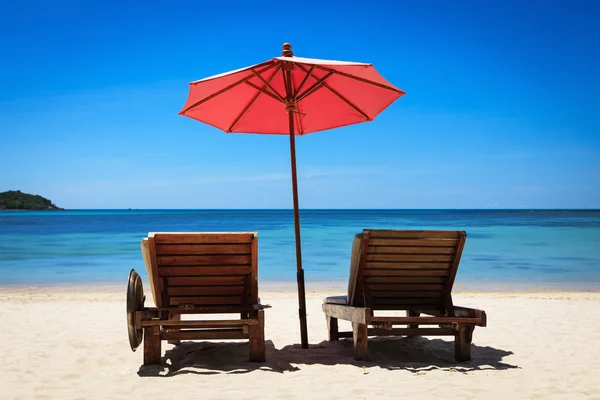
(290, 108)
(300, 270)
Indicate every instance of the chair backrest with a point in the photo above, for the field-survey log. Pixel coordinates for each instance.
(404, 269)
(202, 268)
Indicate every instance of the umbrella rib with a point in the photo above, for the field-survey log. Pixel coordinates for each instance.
(308, 75)
(381, 85)
(225, 89)
(264, 91)
(315, 86)
(245, 110)
(267, 84)
(348, 102)
(339, 96)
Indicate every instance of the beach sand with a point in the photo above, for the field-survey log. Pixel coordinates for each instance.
(71, 343)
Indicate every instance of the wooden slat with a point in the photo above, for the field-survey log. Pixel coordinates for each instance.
(426, 320)
(403, 287)
(205, 334)
(198, 249)
(226, 259)
(412, 273)
(202, 238)
(395, 307)
(404, 294)
(405, 301)
(414, 234)
(405, 279)
(216, 309)
(412, 332)
(414, 242)
(400, 249)
(206, 300)
(205, 280)
(200, 324)
(407, 265)
(204, 271)
(409, 257)
(205, 290)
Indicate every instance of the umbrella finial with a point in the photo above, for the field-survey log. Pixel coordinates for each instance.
(287, 50)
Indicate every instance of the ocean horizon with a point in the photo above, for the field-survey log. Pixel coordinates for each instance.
(505, 248)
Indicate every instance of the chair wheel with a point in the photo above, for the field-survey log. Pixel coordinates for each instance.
(135, 302)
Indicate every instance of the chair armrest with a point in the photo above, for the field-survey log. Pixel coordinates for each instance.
(471, 313)
(357, 315)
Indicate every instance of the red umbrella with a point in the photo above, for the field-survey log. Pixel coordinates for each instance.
(295, 96)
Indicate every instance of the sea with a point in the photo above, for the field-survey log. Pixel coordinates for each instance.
(505, 249)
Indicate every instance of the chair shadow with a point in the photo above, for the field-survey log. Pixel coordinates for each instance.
(209, 358)
(414, 354)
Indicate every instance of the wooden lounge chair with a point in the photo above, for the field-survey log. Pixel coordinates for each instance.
(404, 270)
(197, 273)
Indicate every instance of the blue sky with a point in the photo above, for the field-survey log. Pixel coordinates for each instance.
(502, 105)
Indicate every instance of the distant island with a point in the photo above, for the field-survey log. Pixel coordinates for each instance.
(17, 200)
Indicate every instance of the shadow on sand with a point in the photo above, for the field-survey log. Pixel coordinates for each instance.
(414, 354)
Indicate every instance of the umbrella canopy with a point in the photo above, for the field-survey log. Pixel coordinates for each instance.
(292, 96)
(327, 94)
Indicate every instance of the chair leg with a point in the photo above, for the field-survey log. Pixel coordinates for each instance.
(361, 341)
(174, 317)
(257, 339)
(462, 343)
(412, 313)
(152, 350)
(332, 328)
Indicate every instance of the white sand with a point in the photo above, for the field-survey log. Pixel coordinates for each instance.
(59, 343)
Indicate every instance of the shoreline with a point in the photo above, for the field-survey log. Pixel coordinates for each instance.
(337, 287)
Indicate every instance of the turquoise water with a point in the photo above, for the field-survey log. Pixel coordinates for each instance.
(539, 248)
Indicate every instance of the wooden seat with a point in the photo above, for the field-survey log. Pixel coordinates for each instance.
(412, 271)
(202, 274)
